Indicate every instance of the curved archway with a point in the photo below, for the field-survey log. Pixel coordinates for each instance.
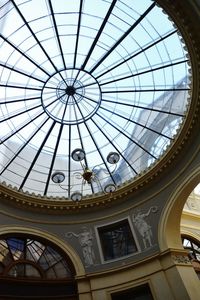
(192, 245)
(190, 233)
(63, 245)
(171, 216)
(35, 263)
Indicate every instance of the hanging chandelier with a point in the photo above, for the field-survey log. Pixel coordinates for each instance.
(88, 175)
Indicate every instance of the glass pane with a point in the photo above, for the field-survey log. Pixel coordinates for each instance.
(16, 247)
(23, 270)
(17, 271)
(5, 255)
(61, 270)
(31, 271)
(74, 76)
(36, 253)
(117, 240)
(193, 246)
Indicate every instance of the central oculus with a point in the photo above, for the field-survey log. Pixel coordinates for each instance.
(71, 96)
(70, 90)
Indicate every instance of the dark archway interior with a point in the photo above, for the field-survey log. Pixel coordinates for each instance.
(33, 268)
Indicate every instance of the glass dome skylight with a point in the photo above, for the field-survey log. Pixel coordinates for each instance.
(102, 76)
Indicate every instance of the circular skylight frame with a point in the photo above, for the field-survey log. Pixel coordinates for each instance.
(109, 113)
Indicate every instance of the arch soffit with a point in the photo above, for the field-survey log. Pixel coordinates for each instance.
(169, 225)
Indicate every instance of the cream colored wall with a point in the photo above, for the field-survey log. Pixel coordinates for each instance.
(190, 219)
(168, 279)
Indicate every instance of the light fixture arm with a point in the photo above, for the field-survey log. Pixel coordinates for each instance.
(88, 175)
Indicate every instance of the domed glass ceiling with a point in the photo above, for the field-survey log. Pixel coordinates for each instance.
(99, 76)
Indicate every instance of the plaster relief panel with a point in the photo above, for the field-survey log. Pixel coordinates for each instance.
(143, 226)
(85, 239)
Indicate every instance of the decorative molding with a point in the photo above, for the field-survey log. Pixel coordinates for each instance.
(181, 259)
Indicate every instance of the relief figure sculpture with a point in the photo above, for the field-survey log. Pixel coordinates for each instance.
(143, 227)
(85, 239)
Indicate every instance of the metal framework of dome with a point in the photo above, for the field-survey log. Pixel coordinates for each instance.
(110, 78)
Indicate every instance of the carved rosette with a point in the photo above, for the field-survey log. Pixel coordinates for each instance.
(181, 259)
